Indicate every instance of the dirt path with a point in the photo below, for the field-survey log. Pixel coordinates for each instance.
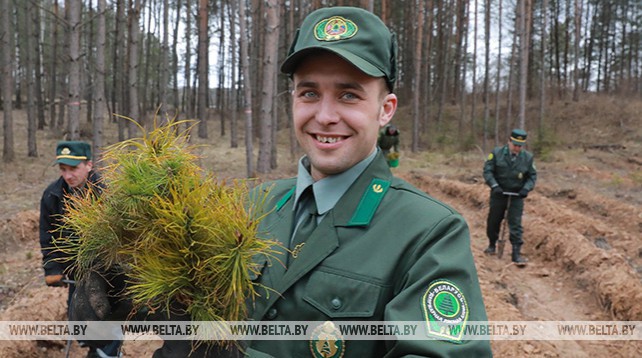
(568, 276)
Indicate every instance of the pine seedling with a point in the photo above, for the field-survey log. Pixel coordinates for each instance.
(180, 235)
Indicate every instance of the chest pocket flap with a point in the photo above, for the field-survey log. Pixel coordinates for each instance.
(341, 296)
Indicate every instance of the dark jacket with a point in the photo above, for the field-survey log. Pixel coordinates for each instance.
(387, 141)
(510, 175)
(52, 208)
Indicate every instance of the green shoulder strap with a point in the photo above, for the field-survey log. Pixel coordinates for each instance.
(369, 203)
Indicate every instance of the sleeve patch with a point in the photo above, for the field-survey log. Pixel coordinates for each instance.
(445, 311)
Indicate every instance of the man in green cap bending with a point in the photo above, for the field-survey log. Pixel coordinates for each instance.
(362, 245)
(76, 175)
(510, 173)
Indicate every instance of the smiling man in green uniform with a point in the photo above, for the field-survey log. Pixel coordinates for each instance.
(362, 244)
(510, 173)
(381, 250)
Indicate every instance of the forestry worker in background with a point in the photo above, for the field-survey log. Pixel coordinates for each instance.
(76, 174)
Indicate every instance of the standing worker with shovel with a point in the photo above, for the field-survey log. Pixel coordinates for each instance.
(510, 173)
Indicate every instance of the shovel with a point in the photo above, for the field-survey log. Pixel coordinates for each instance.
(504, 228)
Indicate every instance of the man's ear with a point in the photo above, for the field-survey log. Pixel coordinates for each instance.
(388, 109)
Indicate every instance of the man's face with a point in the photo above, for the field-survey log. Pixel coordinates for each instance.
(515, 149)
(338, 112)
(76, 176)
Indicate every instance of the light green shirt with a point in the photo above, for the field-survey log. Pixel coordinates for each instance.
(328, 190)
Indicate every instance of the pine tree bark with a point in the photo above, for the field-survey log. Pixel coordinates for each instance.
(6, 38)
(247, 91)
(73, 103)
(100, 112)
(203, 67)
(134, 105)
(28, 52)
(270, 56)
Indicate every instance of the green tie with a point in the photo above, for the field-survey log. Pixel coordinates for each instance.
(307, 223)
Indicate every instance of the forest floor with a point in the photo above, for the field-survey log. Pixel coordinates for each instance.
(582, 224)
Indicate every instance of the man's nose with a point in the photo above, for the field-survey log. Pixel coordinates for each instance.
(327, 113)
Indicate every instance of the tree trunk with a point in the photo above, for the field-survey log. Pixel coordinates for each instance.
(163, 97)
(175, 100)
(53, 95)
(220, 98)
(100, 112)
(203, 67)
(32, 149)
(270, 57)
(40, 103)
(511, 75)
(134, 112)
(187, 90)
(499, 71)
(233, 75)
(487, 34)
(247, 91)
(462, 91)
(6, 38)
(118, 93)
(577, 22)
(525, 7)
(542, 78)
(75, 10)
(473, 94)
(88, 76)
(417, 80)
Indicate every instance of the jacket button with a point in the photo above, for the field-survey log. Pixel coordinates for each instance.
(336, 303)
(271, 313)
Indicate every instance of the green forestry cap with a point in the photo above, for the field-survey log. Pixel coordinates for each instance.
(518, 137)
(72, 152)
(355, 34)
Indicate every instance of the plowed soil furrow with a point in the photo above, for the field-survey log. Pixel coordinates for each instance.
(569, 278)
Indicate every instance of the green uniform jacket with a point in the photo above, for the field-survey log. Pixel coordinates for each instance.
(373, 257)
(510, 176)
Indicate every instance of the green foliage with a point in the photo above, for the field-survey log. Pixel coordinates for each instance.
(636, 177)
(616, 180)
(178, 233)
(544, 144)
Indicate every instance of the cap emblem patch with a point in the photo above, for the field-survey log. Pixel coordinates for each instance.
(65, 151)
(335, 28)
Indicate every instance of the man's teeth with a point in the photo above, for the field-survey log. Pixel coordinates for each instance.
(327, 139)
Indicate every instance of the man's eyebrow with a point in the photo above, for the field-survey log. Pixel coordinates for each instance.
(307, 84)
(351, 85)
(343, 85)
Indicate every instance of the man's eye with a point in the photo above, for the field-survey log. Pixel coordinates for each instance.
(349, 96)
(308, 94)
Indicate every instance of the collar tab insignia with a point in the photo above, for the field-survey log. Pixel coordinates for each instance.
(369, 203)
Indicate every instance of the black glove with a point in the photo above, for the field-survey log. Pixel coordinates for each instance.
(97, 298)
(497, 190)
(186, 348)
(523, 193)
(90, 301)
